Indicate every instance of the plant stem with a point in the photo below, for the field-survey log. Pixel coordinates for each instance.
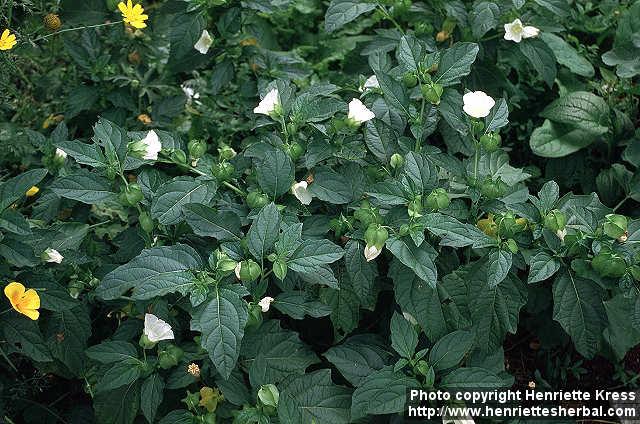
(75, 29)
(476, 161)
(234, 188)
(387, 15)
(620, 203)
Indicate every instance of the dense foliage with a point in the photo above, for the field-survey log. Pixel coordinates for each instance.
(199, 224)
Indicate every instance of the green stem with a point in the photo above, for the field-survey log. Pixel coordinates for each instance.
(75, 29)
(620, 203)
(387, 15)
(476, 161)
(234, 188)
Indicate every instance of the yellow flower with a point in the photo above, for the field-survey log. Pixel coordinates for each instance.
(32, 191)
(24, 301)
(209, 398)
(7, 40)
(144, 118)
(488, 226)
(133, 15)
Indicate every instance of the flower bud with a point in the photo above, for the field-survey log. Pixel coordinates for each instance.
(256, 199)
(170, 356)
(615, 225)
(145, 343)
(490, 141)
(438, 199)
(432, 92)
(279, 269)
(226, 264)
(197, 148)
(396, 160)
(414, 208)
(296, 151)
(226, 152)
(410, 80)
(609, 264)
(223, 171)
(248, 270)
(52, 22)
(179, 156)
(555, 220)
(146, 222)
(376, 235)
(269, 395)
(365, 214)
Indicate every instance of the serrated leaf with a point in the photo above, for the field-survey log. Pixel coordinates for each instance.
(112, 351)
(313, 253)
(359, 356)
(498, 266)
(404, 338)
(171, 196)
(471, 377)
(341, 12)
(455, 63)
(206, 221)
(296, 304)
(542, 266)
(84, 187)
(154, 272)
(541, 58)
(151, 394)
(275, 173)
(418, 258)
(222, 325)
(264, 231)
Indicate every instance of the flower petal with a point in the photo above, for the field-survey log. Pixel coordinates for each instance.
(30, 300)
(14, 292)
(31, 313)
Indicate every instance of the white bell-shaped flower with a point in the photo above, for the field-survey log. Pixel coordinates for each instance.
(371, 252)
(359, 113)
(60, 153)
(477, 104)
(52, 255)
(156, 329)
(371, 82)
(300, 191)
(204, 42)
(515, 31)
(151, 146)
(269, 104)
(265, 302)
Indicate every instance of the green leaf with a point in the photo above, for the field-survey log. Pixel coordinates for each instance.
(170, 197)
(554, 140)
(449, 351)
(455, 233)
(12, 221)
(313, 398)
(404, 338)
(541, 58)
(275, 354)
(151, 394)
(542, 266)
(25, 337)
(118, 406)
(208, 222)
(361, 273)
(381, 392)
(499, 264)
(84, 187)
(222, 325)
(471, 378)
(154, 272)
(275, 173)
(86, 154)
(450, 107)
(296, 304)
(419, 259)
(559, 8)
(381, 139)
(359, 356)
(313, 253)
(330, 186)
(341, 12)
(264, 231)
(577, 306)
(67, 333)
(567, 55)
(120, 374)
(394, 92)
(185, 30)
(410, 53)
(484, 16)
(498, 117)
(16, 187)
(455, 63)
(580, 109)
(112, 351)
(421, 173)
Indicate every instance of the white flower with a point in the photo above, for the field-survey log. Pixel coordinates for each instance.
(265, 303)
(409, 318)
(561, 233)
(237, 269)
(156, 329)
(269, 103)
(300, 191)
(52, 255)
(515, 31)
(371, 82)
(152, 146)
(358, 112)
(204, 42)
(371, 252)
(189, 92)
(61, 153)
(477, 104)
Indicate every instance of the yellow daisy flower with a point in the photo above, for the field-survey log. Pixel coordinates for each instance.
(32, 191)
(7, 40)
(24, 301)
(133, 15)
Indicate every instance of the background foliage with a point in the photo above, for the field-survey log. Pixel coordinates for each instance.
(483, 290)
